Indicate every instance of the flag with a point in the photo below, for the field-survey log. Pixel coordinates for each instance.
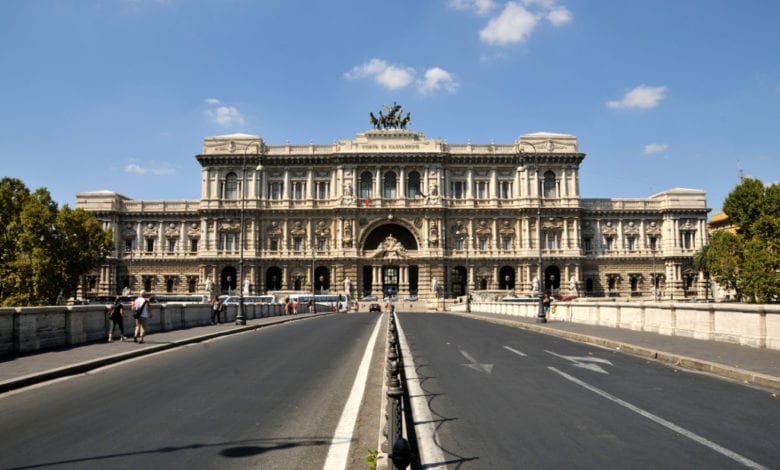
(366, 202)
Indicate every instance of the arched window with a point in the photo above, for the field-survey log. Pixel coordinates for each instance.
(366, 184)
(549, 184)
(413, 185)
(231, 186)
(389, 188)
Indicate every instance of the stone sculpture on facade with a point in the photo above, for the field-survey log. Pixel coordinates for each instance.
(393, 120)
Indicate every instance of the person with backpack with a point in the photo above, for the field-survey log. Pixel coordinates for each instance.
(216, 309)
(142, 313)
(117, 316)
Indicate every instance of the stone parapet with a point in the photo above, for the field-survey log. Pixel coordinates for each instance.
(31, 329)
(747, 325)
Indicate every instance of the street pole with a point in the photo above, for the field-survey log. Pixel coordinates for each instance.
(468, 296)
(240, 318)
(540, 316)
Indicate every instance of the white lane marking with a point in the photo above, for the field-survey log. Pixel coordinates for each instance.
(431, 455)
(584, 361)
(682, 431)
(342, 437)
(477, 366)
(519, 353)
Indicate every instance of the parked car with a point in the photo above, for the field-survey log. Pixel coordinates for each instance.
(375, 308)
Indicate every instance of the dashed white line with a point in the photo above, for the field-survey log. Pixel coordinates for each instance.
(519, 353)
(667, 424)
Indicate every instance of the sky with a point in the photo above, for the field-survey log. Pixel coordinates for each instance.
(119, 94)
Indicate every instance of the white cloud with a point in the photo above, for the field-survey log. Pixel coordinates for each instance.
(514, 24)
(389, 76)
(225, 116)
(655, 148)
(560, 16)
(139, 170)
(642, 97)
(480, 7)
(437, 79)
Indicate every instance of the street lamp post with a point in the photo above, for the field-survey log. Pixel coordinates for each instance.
(540, 316)
(240, 318)
(464, 236)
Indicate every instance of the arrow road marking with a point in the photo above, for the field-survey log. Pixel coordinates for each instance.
(519, 353)
(473, 364)
(585, 362)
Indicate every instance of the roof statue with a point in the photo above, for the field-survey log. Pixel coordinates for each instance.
(393, 120)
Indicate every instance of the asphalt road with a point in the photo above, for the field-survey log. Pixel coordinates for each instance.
(501, 397)
(270, 398)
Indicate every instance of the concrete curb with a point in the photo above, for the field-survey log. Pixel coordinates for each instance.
(86, 366)
(732, 373)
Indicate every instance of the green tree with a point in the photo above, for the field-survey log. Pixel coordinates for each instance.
(83, 245)
(44, 250)
(748, 261)
(723, 259)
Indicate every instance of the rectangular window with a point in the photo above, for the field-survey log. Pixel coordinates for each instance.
(483, 241)
(128, 245)
(653, 243)
(505, 190)
(686, 240)
(631, 243)
(171, 245)
(608, 244)
(298, 190)
(274, 244)
(297, 244)
(459, 244)
(149, 245)
(227, 241)
(587, 245)
(275, 190)
(481, 189)
(194, 245)
(323, 190)
(321, 244)
(506, 243)
(458, 189)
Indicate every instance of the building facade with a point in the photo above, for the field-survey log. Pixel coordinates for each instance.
(393, 212)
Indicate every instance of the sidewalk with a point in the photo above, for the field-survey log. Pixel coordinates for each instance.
(755, 366)
(29, 369)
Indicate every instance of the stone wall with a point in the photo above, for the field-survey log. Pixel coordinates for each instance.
(749, 325)
(30, 329)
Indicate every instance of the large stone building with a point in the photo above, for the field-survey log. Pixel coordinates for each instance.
(393, 211)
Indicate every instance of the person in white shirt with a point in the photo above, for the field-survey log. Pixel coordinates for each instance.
(142, 313)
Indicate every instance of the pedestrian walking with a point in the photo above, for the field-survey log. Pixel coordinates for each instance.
(546, 304)
(216, 310)
(142, 313)
(117, 316)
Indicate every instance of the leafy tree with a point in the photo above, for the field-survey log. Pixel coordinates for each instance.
(44, 250)
(748, 261)
(723, 259)
(83, 245)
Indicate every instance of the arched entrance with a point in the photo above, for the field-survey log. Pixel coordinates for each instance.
(552, 279)
(506, 278)
(273, 279)
(227, 280)
(387, 270)
(321, 280)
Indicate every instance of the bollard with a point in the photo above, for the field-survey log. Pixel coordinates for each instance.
(402, 453)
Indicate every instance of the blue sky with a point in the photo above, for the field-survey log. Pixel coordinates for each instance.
(119, 94)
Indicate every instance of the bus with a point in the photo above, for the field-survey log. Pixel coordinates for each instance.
(179, 299)
(248, 299)
(322, 303)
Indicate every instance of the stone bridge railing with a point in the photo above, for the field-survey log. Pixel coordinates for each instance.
(30, 329)
(749, 325)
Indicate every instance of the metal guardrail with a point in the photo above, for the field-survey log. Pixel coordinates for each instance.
(396, 446)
